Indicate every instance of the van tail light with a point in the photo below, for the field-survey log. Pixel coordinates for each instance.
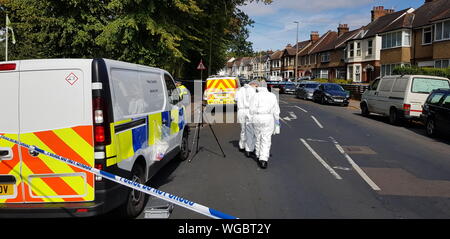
(8, 67)
(406, 108)
(102, 134)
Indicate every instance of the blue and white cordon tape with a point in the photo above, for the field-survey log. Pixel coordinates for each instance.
(134, 185)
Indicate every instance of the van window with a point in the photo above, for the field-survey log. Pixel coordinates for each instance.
(386, 84)
(435, 98)
(400, 85)
(136, 92)
(426, 85)
(171, 87)
(375, 84)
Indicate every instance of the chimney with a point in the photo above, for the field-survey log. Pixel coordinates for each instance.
(288, 45)
(379, 11)
(343, 28)
(315, 36)
(427, 1)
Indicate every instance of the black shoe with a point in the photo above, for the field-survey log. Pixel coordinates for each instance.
(263, 164)
(247, 154)
(242, 150)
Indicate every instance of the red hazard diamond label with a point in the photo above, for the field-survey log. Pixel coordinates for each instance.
(71, 78)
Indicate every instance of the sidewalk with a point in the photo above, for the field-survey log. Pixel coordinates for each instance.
(354, 104)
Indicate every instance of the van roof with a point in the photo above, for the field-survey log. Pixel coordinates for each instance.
(425, 76)
(33, 64)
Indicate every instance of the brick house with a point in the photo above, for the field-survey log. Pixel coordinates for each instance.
(363, 52)
(331, 54)
(306, 61)
(275, 63)
(431, 35)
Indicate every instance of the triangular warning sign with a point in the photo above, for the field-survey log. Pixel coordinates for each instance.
(201, 66)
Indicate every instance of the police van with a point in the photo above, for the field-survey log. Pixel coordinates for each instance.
(122, 118)
(221, 90)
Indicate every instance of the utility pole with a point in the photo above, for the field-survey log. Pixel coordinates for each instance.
(6, 43)
(296, 54)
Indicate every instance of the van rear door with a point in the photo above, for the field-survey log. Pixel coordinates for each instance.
(55, 109)
(421, 87)
(10, 162)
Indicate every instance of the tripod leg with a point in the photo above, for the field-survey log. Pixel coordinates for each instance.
(217, 140)
(193, 141)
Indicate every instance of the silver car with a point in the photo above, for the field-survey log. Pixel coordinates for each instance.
(307, 91)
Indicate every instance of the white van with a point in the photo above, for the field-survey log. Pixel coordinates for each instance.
(400, 96)
(123, 118)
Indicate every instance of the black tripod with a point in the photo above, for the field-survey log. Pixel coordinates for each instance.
(197, 134)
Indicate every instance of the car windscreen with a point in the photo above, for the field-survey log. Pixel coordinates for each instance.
(426, 85)
(311, 86)
(334, 87)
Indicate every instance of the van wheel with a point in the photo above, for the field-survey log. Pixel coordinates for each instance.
(184, 146)
(393, 116)
(364, 110)
(431, 128)
(136, 199)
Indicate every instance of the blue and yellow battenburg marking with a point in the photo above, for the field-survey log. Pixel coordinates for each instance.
(154, 127)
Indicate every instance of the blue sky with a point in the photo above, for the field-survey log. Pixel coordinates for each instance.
(274, 26)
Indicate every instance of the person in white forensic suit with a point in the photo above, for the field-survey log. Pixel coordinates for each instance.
(247, 135)
(265, 116)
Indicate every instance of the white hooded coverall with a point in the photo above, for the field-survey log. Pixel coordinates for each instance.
(247, 136)
(265, 113)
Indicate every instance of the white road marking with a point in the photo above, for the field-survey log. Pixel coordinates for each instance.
(317, 122)
(282, 120)
(317, 156)
(293, 116)
(300, 108)
(317, 140)
(355, 166)
(287, 118)
(342, 168)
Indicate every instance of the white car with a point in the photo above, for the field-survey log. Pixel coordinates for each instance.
(122, 118)
(400, 97)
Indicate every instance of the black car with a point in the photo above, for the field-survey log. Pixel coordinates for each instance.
(436, 112)
(332, 94)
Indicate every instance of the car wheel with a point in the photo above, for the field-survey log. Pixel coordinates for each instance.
(184, 146)
(364, 110)
(136, 200)
(322, 100)
(431, 128)
(393, 116)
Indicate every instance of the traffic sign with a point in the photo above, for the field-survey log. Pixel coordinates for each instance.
(200, 66)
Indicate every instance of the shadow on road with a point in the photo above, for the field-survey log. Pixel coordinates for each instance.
(416, 127)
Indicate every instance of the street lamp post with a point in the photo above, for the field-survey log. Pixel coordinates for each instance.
(296, 54)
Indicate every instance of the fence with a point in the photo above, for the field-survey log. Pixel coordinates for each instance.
(355, 90)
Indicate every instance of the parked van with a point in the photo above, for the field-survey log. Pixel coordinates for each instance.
(400, 96)
(111, 115)
(221, 90)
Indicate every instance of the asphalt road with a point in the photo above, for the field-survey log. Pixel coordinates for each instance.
(328, 162)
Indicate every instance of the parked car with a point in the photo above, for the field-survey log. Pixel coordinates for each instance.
(306, 90)
(332, 94)
(436, 112)
(400, 97)
(288, 88)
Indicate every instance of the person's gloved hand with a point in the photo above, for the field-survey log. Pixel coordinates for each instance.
(277, 128)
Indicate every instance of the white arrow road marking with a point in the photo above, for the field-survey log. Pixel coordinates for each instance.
(293, 116)
(317, 140)
(355, 166)
(317, 156)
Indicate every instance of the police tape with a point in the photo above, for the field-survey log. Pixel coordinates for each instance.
(131, 184)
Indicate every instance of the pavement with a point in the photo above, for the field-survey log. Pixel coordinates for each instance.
(328, 162)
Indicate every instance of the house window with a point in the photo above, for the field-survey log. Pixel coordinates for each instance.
(387, 69)
(323, 74)
(442, 31)
(396, 39)
(442, 63)
(426, 35)
(358, 49)
(369, 47)
(352, 50)
(325, 57)
(350, 72)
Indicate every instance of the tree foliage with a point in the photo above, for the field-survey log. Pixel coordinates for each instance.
(171, 34)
